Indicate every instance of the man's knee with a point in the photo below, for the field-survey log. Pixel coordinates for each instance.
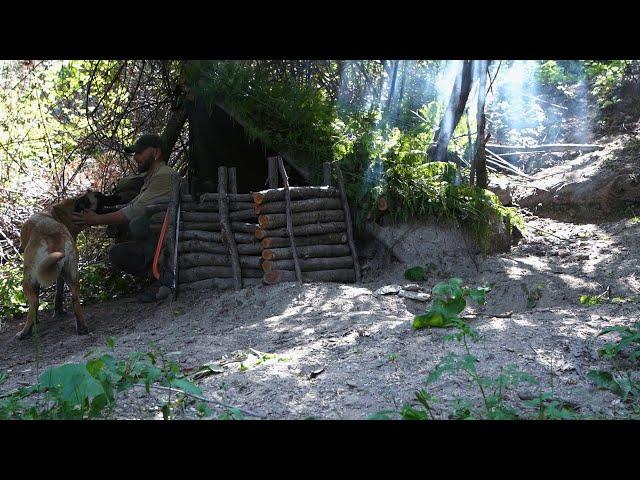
(132, 257)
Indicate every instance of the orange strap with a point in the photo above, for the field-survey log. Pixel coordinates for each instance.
(155, 271)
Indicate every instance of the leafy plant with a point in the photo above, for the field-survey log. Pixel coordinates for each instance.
(625, 384)
(589, 300)
(449, 301)
(415, 274)
(90, 389)
(629, 337)
(533, 296)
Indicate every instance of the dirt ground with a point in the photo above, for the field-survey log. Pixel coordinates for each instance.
(344, 353)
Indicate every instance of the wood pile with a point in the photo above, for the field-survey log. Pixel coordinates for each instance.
(217, 246)
(305, 231)
(227, 240)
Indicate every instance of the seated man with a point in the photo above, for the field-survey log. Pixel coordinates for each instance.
(136, 256)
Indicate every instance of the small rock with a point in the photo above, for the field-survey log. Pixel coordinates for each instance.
(419, 296)
(388, 290)
(582, 256)
(563, 253)
(412, 287)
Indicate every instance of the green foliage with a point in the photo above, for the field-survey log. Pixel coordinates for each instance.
(449, 301)
(415, 274)
(605, 76)
(90, 389)
(626, 384)
(387, 162)
(629, 338)
(286, 115)
(533, 296)
(12, 298)
(589, 300)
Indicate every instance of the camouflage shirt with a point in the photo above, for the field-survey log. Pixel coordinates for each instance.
(156, 185)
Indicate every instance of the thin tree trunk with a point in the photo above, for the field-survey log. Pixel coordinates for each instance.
(482, 179)
(453, 112)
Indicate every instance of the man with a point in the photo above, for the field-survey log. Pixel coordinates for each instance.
(136, 256)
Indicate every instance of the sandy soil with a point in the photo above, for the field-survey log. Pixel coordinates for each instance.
(343, 353)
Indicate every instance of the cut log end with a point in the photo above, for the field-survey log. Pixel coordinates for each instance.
(383, 206)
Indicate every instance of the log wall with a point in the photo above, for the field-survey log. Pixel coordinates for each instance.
(229, 239)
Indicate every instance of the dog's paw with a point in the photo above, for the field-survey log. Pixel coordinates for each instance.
(22, 335)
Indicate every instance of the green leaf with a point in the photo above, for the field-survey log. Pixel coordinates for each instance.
(429, 319)
(478, 294)
(186, 386)
(383, 415)
(604, 380)
(75, 382)
(415, 274)
(111, 343)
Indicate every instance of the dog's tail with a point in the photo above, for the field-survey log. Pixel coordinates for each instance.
(50, 267)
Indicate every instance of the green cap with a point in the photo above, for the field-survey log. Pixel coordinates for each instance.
(145, 141)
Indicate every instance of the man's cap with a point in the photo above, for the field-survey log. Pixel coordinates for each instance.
(145, 141)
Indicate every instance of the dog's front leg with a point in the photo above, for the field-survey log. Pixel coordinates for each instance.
(81, 326)
(32, 315)
(59, 302)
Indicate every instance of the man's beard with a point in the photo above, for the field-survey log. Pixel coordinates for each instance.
(144, 167)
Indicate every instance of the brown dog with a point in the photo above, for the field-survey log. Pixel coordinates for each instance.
(48, 241)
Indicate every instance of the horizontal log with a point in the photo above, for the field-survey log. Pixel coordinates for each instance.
(188, 260)
(233, 197)
(347, 275)
(245, 227)
(309, 205)
(555, 147)
(208, 197)
(220, 283)
(309, 264)
(311, 251)
(199, 207)
(189, 246)
(215, 236)
(297, 193)
(200, 273)
(327, 239)
(301, 230)
(275, 220)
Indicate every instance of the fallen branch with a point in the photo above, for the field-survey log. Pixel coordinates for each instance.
(204, 399)
(554, 147)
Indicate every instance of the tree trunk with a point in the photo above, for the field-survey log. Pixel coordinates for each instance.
(482, 179)
(453, 112)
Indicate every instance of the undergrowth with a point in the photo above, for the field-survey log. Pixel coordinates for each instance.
(91, 389)
(494, 402)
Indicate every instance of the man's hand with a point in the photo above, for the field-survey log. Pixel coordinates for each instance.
(85, 217)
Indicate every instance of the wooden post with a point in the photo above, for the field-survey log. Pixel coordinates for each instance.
(326, 173)
(347, 220)
(285, 180)
(171, 233)
(227, 235)
(273, 172)
(233, 181)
